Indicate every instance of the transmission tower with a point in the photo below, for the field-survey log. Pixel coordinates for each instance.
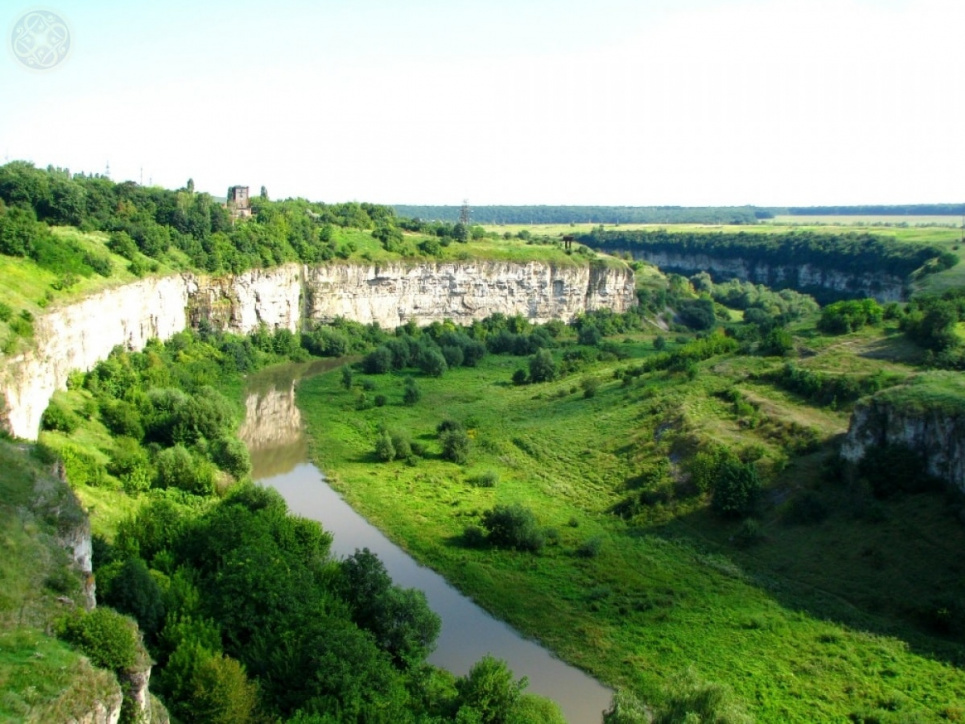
(465, 213)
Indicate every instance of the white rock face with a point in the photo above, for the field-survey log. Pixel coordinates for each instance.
(881, 286)
(939, 436)
(463, 291)
(77, 336)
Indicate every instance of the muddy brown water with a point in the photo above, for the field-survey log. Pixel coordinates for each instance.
(275, 435)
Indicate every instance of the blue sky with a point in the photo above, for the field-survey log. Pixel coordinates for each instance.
(691, 102)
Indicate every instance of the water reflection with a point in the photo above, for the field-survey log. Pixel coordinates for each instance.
(279, 451)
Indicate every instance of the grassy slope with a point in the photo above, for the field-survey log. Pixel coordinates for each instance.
(41, 678)
(812, 624)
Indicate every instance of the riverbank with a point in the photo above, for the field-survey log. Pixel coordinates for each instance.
(274, 433)
(640, 605)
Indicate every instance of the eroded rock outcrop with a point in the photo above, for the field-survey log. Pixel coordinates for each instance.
(77, 336)
(927, 415)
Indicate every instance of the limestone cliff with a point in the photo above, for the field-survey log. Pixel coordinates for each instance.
(805, 278)
(77, 336)
(926, 415)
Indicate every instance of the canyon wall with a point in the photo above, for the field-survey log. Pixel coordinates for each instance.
(77, 336)
(804, 278)
(926, 416)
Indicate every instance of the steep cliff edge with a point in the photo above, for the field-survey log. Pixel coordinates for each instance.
(926, 415)
(79, 335)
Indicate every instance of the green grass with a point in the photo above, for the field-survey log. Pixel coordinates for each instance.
(41, 679)
(932, 392)
(817, 622)
(31, 288)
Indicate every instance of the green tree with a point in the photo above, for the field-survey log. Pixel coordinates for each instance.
(513, 526)
(625, 708)
(736, 488)
(384, 448)
(134, 591)
(412, 393)
(490, 692)
(542, 367)
(455, 445)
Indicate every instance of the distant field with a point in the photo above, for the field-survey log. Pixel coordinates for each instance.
(840, 220)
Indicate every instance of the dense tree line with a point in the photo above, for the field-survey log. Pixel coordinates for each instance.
(853, 253)
(146, 222)
(875, 210)
(589, 214)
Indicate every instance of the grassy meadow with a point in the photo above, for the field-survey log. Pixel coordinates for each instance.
(807, 618)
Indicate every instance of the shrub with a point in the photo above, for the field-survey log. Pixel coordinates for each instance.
(412, 393)
(432, 363)
(384, 449)
(378, 361)
(380, 400)
(178, 468)
(590, 548)
(488, 479)
(122, 418)
(455, 446)
(849, 315)
(513, 526)
(542, 367)
(231, 455)
(130, 464)
(82, 467)
(132, 590)
(58, 417)
(519, 377)
(749, 533)
(625, 708)
(347, 377)
(736, 488)
(109, 639)
(590, 385)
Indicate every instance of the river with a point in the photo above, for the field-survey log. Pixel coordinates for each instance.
(274, 433)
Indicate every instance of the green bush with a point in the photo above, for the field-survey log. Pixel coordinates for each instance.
(82, 467)
(455, 446)
(488, 479)
(542, 367)
(132, 590)
(384, 449)
(412, 393)
(178, 468)
(58, 417)
(109, 639)
(232, 456)
(130, 464)
(590, 548)
(736, 488)
(513, 526)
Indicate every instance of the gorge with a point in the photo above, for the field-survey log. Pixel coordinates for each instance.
(76, 336)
